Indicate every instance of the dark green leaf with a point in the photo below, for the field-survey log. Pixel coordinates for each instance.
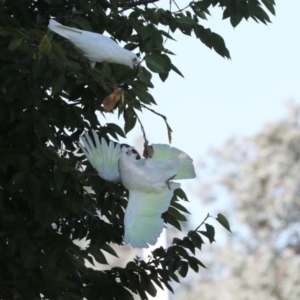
(196, 239)
(155, 64)
(15, 43)
(179, 207)
(83, 23)
(148, 286)
(235, 19)
(175, 213)
(129, 124)
(209, 233)
(144, 75)
(58, 84)
(173, 221)
(183, 269)
(110, 250)
(98, 255)
(58, 177)
(223, 221)
(117, 129)
(181, 194)
(269, 5)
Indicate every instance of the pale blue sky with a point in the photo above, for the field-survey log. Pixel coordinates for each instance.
(220, 98)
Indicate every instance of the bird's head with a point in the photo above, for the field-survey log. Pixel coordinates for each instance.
(135, 62)
(127, 154)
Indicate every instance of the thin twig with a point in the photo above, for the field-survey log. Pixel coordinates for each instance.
(152, 110)
(137, 3)
(182, 9)
(143, 130)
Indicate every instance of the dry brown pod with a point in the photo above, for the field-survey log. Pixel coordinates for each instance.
(148, 151)
(111, 100)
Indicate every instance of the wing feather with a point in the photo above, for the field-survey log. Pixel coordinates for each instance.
(143, 222)
(102, 156)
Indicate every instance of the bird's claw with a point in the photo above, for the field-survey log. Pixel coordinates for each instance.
(168, 181)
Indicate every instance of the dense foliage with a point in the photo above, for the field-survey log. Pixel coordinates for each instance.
(49, 97)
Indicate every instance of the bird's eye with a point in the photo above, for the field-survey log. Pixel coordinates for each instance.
(134, 59)
(128, 153)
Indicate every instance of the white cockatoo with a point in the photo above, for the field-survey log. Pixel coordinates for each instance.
(95, 46)
(147, 180)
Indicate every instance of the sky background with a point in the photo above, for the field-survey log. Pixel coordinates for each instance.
(220, 98)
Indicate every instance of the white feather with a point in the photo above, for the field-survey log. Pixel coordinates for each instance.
(143, 222)
(103, 157)
(95, 46)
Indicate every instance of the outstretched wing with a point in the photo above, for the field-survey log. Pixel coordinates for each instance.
(103, 157)
(173, 161)
(143, 222)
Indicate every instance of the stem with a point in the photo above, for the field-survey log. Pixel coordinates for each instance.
(137, 3)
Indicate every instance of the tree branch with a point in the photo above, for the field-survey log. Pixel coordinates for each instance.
(137, 3)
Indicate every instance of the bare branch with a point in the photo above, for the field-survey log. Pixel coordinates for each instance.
(137, 3)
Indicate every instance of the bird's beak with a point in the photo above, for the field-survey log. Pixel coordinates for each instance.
(129, 151)
(136, 64)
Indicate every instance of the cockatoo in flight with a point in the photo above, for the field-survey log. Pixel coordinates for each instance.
(96, 47)
(147, 180)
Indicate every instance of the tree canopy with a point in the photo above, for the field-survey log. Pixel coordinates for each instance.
(49, 97)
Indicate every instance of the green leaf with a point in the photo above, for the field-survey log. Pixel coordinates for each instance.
(58, 177)
(169, 129)
(235, 19)
(184, 267)
(181, 194)
(269, 4)
(186, 243)
(209, 233)
(45, 45)
(179, 207)
(15, 43)
(129, 124)
(148, 286)
(110, 250)
(186, 22)
(173, 221)
(58, 84)
(98, 255)
(154, 64)
(196, 239)
(57, 50)
(224, 222)
(174, 68)
(83, 23)
(143, 95)
(166, 35)
(117, 129)
(144, 75)
(181, 251)
(193, 263)
(175, 213)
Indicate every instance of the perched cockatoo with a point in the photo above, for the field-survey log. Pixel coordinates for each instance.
(96, 47)
(147, 180)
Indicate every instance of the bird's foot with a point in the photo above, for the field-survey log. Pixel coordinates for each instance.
(168, 181)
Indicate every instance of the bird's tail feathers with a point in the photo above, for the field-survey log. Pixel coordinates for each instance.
(61, 29)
